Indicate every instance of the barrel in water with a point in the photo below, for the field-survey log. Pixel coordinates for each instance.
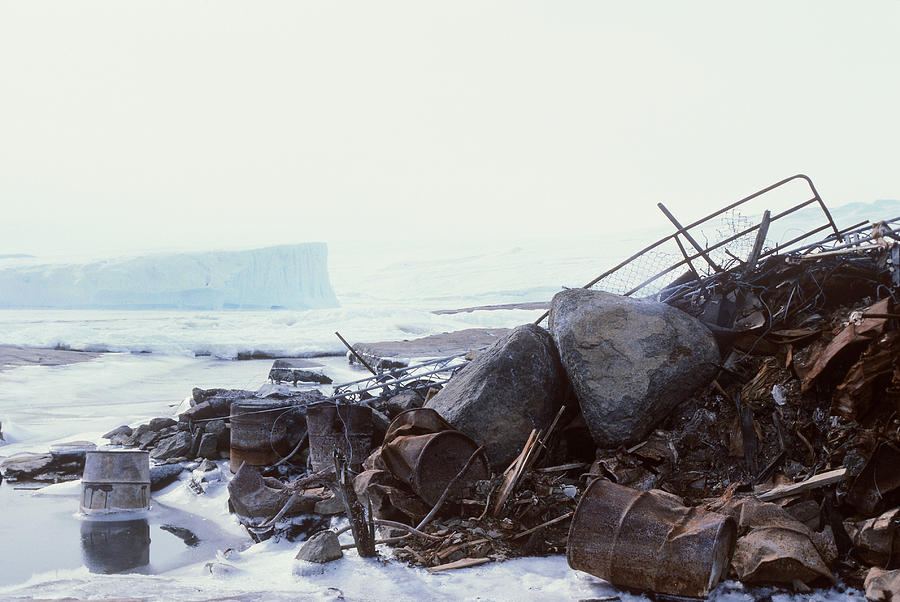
(115, 481)
(114, 546)
(647, 540)
(346, 427)
(262, 432)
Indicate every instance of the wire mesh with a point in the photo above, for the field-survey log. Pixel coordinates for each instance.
(656, 269)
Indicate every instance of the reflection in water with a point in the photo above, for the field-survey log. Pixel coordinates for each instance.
(115, 546)
(185, 535)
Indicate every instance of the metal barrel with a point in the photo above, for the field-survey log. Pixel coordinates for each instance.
(262, 432)
(346, 427)
(416, 421)
(114, 546)
(427, 463)
(115, 481)
(648, 540)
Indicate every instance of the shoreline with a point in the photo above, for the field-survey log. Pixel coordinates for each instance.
(14, 356)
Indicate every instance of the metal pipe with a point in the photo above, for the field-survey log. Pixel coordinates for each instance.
(353, 351)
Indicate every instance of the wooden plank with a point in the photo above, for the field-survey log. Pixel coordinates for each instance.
(459, 564)
(541, 526)
(820, 480)
(446, 552)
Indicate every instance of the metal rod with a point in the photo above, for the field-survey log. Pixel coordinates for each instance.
(685, 255)
(758, 244)
(854, 229)
(353, 351)
(681, 230)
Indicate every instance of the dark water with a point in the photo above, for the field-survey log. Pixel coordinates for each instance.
(46, 533)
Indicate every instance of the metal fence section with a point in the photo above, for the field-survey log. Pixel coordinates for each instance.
(415, 377)
(722, 240)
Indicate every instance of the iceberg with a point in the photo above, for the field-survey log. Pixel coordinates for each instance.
(281, 277)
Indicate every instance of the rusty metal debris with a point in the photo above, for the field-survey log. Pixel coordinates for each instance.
(791, 455)
(649, 540)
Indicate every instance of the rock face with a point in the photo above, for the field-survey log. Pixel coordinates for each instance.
(511, 388)
(630, 361)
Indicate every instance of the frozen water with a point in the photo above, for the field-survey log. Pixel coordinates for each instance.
(275, 277)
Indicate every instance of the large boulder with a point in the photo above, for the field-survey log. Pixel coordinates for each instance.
(630, 361)
(514, 386)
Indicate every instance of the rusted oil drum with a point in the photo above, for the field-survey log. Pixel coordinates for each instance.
(417, 421)
(262, 432)
(347, 427)
(427, 460)
(115, 481)
(647, 540)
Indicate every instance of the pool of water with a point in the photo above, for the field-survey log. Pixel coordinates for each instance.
(44, 532)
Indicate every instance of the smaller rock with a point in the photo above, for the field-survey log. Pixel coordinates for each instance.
(122, 430)
(137, 433)
(71, 451)
(216, 427)
(882, 585)
(149, 439)
(25, 466)
(158, 424)
(405, 400)
(120, 439)
(164, 475)
(322, 547)
(329, 506)
(206, 466)
(170, 447)
(208, 447)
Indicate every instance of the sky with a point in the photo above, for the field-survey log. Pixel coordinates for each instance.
(130, 126)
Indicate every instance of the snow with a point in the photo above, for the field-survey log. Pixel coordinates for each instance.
(274, 277)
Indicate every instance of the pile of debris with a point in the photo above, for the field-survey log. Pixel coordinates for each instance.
(754, 407)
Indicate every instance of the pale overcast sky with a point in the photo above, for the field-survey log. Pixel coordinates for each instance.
(178, 124)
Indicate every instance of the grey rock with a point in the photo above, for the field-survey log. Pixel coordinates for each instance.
(405, 400)
(516, 385)
(148, 438)
(120, 439)
(163, 475)
(158, 424)
(122, 430)
(213, 403)
(630, 361)
(216, 427)
(173, 446)
(71, 451)
(322, 547)
(330, 506)
(206, 466)
(209, 444)
(295, 371)
(25, 466)
(139, 432)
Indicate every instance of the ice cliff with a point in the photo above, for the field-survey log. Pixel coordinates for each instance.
(290, 277)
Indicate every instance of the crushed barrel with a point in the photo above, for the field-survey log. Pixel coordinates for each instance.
(648, 540)
(347, 428)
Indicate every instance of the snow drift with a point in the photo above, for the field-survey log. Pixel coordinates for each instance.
(289, 277)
